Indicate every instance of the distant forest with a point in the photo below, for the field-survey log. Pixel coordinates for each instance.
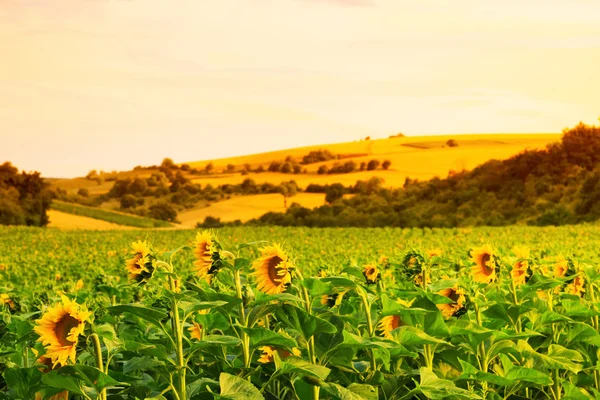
(555, 186)
(24, 198)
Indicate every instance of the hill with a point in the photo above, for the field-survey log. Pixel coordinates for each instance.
(183, 192)
(554, 186)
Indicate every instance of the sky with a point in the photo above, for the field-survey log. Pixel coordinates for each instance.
(111, 84)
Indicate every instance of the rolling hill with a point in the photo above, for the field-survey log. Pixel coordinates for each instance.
(419, 158)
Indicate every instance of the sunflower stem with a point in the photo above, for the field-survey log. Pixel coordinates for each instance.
(243, 320)
(481, 355)
(371, 332)
(178, 330)
(513, 288)
(99, 362)
(312, 354)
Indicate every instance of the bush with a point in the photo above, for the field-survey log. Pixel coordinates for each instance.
(316, 156)
(83, 192)
(322, 170)
(386, 164)
(373, 165)
(452, 143)
(162, 211)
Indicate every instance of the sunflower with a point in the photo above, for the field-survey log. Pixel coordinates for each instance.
(577, 287)
(371, 273)
(457, 295)
(561, 267)
(195, 331)
(208, 256)
(434, 253)
(79, 285)
(388, 324)
(272, 270)
(46, 366)
(322, 273)
(6, 300)
(520, 269)
(59, 329)
(269, 351)
(484, 270)
(384, 261)
(332, 300)
(140, 267)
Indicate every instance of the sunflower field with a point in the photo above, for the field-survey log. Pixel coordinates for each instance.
(299, 313)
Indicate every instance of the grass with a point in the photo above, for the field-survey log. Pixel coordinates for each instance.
(61, 220)
(248, 207)
(109, 216)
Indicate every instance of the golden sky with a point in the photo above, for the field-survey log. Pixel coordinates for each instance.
(110, 84)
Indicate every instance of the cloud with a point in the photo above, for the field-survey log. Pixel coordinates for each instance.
(344, 3)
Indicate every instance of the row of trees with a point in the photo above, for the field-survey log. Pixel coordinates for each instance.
(24, 197)
(352, 166)
(555, 186)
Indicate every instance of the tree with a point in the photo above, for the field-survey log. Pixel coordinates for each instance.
(322, 170)
(230, 168)
(209, 168)
(452, 143)
(162, 211)
(83, 192)
(386, 164)
(286, 167)
(168, 163)
(288, 189)
(92, 175)
(128, 201)
(373, 165)
(334, 192)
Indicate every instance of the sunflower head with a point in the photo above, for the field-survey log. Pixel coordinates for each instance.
(413, 261)
(520, 270)
(269, 351)
(79, 285)
(384, 261)
(140, 268)
(576, 287)
(457, 296)
(434, 252)
(562, 267)
(332, 300)
(59, 328)
(207, 252)
(371, 274)
(272, 270)
(195, 331)
(322, 273)
(484, 270)
(388, 323)
(6, 301)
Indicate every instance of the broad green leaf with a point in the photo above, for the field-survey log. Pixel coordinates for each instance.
(411, 336)
(140, 364)
(435, 388)
(152, 315)
(24, 382)
(471, 373)
(236, 388)
(303, 322)
(265, 337)
(295, 365)
(354, 391)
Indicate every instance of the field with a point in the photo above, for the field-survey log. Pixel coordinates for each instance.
(248, 207)
(67, 221)
(113, 217)
(413, 157)
(497, 313)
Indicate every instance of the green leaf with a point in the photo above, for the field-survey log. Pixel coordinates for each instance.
(521, 374)
(354, 391)
(221, 340)
(435, 388)
(74, 377)
(152, 315)
(411, 336)
(195, 306)
(140, 364)
(558, 357)
(24, 382)
(469, 372)
(265, 337)
(235, 388)
(303, 322)
(295, 365)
